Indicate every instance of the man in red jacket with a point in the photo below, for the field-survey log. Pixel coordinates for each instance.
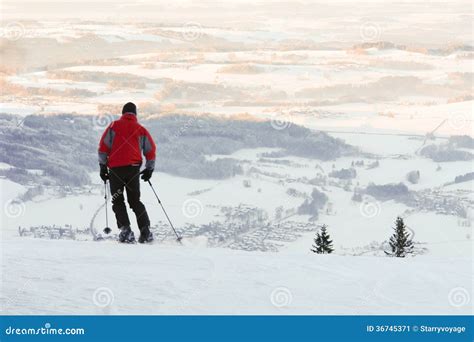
(120, 158)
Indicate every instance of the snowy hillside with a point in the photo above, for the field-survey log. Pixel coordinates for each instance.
(67, 277)
(271, 120)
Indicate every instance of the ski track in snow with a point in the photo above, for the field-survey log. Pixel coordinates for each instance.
(73, 277)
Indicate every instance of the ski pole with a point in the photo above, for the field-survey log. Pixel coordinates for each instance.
(178, 238)
(107, 230)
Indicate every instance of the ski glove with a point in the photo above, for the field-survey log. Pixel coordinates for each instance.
(104, 172)
(146, 174)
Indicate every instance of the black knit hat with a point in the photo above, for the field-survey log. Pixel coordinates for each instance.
(129, 108)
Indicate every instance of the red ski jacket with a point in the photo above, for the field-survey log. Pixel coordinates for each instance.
(123, 142)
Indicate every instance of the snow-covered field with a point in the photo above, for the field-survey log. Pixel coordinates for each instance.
(67, 277)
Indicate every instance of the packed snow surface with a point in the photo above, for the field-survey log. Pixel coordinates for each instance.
(71, 277)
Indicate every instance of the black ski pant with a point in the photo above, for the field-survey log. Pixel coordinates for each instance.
(128, 178)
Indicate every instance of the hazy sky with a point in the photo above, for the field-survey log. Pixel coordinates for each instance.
(156, 9)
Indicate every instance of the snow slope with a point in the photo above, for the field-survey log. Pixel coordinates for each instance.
(70, 277)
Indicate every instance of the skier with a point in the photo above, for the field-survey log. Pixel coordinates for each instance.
(120, 158)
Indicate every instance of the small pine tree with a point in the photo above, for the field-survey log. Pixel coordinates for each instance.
(322, 242)
(400, 242)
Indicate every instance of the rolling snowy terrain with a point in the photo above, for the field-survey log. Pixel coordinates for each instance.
(267, 127)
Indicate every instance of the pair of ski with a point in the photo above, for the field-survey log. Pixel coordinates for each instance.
(107, 230)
